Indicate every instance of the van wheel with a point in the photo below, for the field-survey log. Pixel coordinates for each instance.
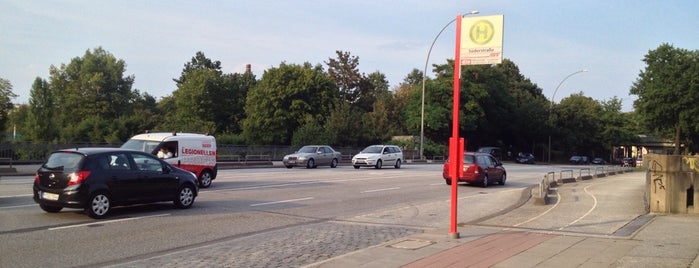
(50, 209)
(378, 164)
(311, 163)
(185, 197)
(98, 205)
(397, 164)
(356, 167)
(333, 164)
(205, 179)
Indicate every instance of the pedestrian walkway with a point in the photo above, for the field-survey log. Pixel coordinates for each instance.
(593, 223)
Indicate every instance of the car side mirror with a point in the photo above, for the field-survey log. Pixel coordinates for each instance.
(166, 169)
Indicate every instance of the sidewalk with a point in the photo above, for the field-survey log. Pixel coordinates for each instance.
(593, 223)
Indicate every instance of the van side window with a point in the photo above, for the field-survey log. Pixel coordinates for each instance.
(172, 147)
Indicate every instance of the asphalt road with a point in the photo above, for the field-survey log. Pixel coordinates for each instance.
(267, 217)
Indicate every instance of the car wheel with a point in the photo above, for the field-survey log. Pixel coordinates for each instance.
(185, 197)
(205, 179)
(503, 179)
(448, 181)
(50, 209)
(356, 167)
(485, 181)
(397, 164)
(289, 166)
(98, 205)
(333, 164)
(378, 164)
(311, 163)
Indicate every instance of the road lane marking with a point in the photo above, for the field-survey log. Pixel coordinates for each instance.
(594, 205)
(105, 222)
(20, 195)
(380, 190)
(19, 206)
(280, 202)
(558, 199)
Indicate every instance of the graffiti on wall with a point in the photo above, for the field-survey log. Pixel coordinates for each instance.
(656, 173)
(692, 162)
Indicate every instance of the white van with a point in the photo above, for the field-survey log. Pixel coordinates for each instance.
(189, 151)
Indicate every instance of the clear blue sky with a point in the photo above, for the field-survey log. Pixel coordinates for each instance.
(548, 40)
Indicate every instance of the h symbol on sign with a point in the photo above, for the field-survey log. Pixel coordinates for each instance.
(480, 32)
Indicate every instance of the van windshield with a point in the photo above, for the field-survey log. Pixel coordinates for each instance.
(141, 145)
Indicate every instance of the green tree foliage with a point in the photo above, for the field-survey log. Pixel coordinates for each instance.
(668, 93)
(92, 86)
(577, 119)
(6, 96)
(344, 72)
(198, 62)
(499, 107)
(282, 101)
(41, 124)
(206, 100)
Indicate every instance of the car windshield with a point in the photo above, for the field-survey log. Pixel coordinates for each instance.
(65, 161)
(308, 149)
(372, 150)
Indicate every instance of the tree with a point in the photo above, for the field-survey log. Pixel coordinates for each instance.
(198, 62)
(668, 91)
(41, 124)
(282, 101)
(206, 100)
(345, 73)
(577, 119)
(90, 87)
(6, 96)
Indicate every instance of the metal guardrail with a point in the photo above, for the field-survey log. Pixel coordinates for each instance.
(258, 157)
(545, 185)
(566, 171)
(581, 172)
(599, 171)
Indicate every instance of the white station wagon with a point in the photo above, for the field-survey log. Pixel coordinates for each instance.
(378, 155)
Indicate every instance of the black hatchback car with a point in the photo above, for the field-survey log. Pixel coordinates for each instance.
(97, 179)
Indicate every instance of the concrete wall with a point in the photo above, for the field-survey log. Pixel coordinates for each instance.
(673, 183)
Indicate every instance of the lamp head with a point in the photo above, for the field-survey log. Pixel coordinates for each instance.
(472, 12)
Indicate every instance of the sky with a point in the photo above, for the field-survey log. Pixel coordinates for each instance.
(548, 40)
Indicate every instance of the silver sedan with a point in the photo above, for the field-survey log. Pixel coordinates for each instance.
(312, 156)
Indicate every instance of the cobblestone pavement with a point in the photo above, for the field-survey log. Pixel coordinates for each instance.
(289, 247)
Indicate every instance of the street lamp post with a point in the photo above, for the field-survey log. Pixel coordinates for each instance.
(552, 98)
(424, 78)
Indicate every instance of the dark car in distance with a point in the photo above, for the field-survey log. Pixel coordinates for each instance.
(525, 159)
(98, 179)
(598, 161)
(478, 168)
(579, 160)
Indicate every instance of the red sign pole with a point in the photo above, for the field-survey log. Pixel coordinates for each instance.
(455, 161)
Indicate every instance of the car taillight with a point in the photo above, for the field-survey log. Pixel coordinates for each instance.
(78, 177)
(36, 177)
